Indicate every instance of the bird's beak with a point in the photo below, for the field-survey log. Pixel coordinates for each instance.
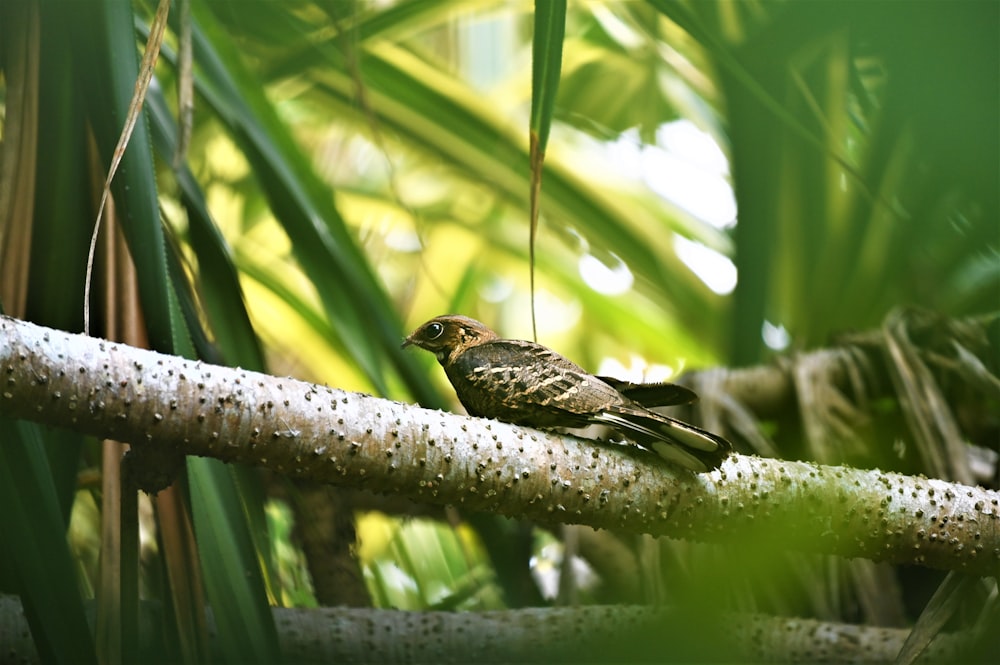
(406, 342)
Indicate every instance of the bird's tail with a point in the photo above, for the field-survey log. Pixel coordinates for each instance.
(652, 394)
(671, 439)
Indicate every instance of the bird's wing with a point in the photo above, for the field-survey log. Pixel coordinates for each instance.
(652, 394)
(672, 439)
(508, 379)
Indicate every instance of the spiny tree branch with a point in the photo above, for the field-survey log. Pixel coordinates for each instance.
(165, 403)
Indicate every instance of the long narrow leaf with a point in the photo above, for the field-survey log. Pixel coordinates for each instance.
(223, 300)
(131, 118)
(546, 65)
(109, 74)
(232, 574)
(34, 546)
(356, 304)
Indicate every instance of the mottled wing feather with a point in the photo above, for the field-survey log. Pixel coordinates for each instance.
(523, 382)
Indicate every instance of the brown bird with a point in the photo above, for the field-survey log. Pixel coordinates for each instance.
(525, 383)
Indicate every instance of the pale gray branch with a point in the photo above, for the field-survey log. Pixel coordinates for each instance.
(354, 440)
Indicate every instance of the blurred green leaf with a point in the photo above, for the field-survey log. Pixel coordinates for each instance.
(233, 579)
(355, 304)
(34, 546)
(546, 65)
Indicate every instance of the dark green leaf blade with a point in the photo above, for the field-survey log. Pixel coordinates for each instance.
(546, 65)
(233, 580)
(34, 548)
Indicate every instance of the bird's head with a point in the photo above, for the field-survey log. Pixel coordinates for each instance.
(446, 336)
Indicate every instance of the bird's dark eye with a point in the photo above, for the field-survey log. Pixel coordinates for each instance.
(434, 330)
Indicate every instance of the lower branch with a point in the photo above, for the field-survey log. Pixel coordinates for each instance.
(594, 634)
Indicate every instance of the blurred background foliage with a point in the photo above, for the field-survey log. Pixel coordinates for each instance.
(355, 168)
